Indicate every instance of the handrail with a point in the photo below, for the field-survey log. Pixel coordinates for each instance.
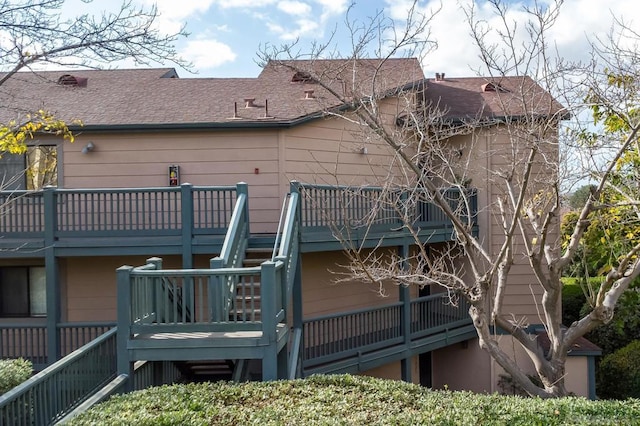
(50, 394)
(280, 226)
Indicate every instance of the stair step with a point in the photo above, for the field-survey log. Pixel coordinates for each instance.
(253, 262)
(255, 297)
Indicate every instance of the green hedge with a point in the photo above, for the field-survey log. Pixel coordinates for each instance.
(345, 400)
(619, 373)
(13, 372)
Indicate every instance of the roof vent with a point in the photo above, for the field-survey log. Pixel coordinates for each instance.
(308, 94)
(493, 87)
(250, 103)
(70, 80)
(439, 76)
(302, 77)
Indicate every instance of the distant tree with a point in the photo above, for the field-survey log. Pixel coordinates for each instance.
(525, 202)
(580, 196)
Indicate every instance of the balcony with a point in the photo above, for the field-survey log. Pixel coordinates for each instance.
(82, 222)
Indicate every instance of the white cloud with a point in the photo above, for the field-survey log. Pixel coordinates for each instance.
(174, 14)
(207, 53)
(458, 56)
(296, 8)
(245, 4)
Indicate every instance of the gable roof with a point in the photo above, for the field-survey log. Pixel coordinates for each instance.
(284, 93)
(481, 98)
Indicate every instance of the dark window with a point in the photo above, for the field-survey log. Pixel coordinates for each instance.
(23, 291)
(32, 171)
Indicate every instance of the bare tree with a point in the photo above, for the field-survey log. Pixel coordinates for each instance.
(35, 34)
(513, 146)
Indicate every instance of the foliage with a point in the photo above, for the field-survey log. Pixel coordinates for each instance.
(348, 400)
(13, 372)
(619, 373)
(580, 196)
(623, 328)
(14, 136)
(573, 300)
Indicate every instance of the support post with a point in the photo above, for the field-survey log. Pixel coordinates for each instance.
(124, 364)
(268, 305)
(51, 274)
(405, 298)
(187, 217)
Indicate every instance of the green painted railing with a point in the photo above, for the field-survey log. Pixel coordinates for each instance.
(343, 209)
(140, 299)
(330, 338)
(29, 341)
(49, 395)
(116, 211)
(437, 312)
(231, 256)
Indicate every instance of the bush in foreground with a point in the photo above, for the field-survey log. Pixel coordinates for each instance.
(13, 372)
(348, 400)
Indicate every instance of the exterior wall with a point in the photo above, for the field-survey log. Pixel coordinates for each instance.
(463, 366)
(392, 371)
(208, 159)
(90, 286)
(322, 296)
(333, 151)
(484, 154)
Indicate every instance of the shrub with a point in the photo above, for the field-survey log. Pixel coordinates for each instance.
(345, 400)
(619, 373)
(13, 372)
(573, 299)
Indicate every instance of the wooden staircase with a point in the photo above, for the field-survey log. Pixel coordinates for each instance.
(248, 293)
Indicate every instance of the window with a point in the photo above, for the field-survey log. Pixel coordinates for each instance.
(23, 291)
(32, 171)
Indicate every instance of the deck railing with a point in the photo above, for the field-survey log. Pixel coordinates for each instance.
(49, 395)
(116, 211)
(29, 341)
(338, 336)
(142, 307)
(346, 209)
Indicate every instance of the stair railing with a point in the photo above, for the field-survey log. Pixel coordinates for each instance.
(287, 252)
(49, 395)
(280, 227)
(231, 256)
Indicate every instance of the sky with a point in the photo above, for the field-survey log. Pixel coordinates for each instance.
(226, 35)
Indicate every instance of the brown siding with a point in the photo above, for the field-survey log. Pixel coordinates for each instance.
(210, 159)
(90, 285)
(321, 295)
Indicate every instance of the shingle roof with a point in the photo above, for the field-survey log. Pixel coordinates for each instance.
(513, 96)
(151, 97)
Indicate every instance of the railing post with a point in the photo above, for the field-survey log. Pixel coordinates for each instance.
(187, 218)
(51, 274)
(243, 188)
(405, 298)
(268, 305)
(217, 293)
(124, 364)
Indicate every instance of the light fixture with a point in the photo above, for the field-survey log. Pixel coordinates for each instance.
(88, 148)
